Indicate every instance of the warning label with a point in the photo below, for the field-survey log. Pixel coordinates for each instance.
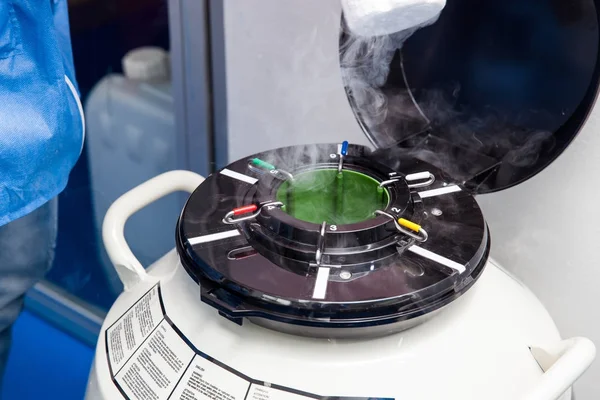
(150, 359)
(206, 380)
(157, 366)
(125, 336)
(258, 392)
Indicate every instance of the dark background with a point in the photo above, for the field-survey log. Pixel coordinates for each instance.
(102, 32)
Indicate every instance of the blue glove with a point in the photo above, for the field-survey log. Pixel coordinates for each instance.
(42, 127)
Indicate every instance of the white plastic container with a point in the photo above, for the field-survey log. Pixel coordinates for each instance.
(131, 138)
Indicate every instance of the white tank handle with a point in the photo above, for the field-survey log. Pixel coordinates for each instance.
(129, 269)
(563, 363)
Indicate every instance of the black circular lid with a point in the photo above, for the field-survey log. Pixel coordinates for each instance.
(285, 236)
(491, 93)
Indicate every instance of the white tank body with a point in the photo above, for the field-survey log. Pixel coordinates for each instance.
(497, 341)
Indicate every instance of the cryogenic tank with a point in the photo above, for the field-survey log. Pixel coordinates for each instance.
(337, 270)
(259, 300)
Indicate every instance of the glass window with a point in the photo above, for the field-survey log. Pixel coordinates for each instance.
(119, 138)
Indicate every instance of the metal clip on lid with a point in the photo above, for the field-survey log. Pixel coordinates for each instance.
(343, 152)
(321, 244)
(407, 227)
(428, 176)
(251, 209)
(257, 162)
(388, 182)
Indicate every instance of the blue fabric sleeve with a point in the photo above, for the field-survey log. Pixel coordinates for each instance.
(42, 128)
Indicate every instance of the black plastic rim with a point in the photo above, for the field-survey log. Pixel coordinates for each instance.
(399, 286)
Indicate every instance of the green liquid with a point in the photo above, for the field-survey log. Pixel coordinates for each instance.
(337, 198)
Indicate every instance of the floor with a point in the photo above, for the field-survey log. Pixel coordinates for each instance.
(45, 363)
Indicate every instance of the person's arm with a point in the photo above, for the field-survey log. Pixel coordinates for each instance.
(41, 119)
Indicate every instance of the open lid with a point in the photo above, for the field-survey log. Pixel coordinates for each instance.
(491, 93)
